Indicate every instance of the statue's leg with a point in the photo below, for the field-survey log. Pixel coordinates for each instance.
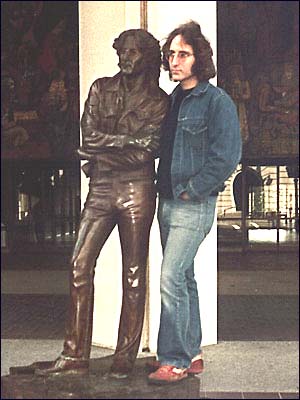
(96, 224)
(134, 222)
(91, 237)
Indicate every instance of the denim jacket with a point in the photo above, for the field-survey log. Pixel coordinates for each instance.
(207, 146)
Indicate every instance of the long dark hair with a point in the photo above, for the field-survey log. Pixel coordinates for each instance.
(203, 67)
(149, 47)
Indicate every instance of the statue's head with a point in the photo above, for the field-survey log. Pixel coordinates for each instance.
(139, 52)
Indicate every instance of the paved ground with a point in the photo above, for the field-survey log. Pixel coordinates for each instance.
(257, 355)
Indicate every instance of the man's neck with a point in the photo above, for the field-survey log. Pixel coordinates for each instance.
(189, 83)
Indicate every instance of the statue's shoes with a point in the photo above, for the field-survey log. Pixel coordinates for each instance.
(64, 366)
(29, 369)
(121, 369)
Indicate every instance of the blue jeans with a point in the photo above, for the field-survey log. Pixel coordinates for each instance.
(183, 226)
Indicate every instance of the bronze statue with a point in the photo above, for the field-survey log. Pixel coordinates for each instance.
(121, 131)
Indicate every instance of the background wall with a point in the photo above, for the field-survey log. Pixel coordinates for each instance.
(258, 53)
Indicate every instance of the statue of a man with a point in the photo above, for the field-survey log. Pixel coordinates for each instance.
(121, 132)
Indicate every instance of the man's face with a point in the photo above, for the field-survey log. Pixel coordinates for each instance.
(130, 58)
(181, 60)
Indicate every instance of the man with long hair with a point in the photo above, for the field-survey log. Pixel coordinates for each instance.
(201, 147)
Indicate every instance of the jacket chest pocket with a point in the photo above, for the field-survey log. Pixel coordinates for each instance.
(110, 104)
(109, 111)
(195, 132)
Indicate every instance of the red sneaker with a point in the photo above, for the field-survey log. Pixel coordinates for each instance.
(195, 368)
(167, 374)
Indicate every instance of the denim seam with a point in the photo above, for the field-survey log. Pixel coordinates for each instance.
(177, 303)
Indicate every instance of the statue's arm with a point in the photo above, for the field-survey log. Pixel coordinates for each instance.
(119, 160)
(93, 139)
(148, 137)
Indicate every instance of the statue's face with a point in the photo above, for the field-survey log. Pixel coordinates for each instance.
(131, 60)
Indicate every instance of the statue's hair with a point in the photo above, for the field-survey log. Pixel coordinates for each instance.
(148, 46)
(203, 67)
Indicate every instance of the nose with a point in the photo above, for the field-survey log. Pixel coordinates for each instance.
(174, 59)
(124, 54)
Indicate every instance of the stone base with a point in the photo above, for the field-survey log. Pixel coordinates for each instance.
(23, 384)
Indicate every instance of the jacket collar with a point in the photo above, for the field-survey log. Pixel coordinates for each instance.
(114, 83)
(201, 87)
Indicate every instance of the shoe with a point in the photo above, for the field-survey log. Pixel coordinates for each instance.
(167, 374)
(29, 369)
(121, 369)
(64, 366)
(118, 375)
(196, 367)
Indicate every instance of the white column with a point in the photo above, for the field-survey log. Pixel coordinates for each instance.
(100, 23)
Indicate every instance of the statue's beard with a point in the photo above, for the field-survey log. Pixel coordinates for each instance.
(127, 67)
(126, 64)
(130, 68)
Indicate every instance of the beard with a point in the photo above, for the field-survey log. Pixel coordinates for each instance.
(126, 67)
(132, 68)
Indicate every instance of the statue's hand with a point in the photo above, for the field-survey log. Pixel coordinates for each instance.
(149, 143)
(154, 144)
(144, 142)
(84, 154)
(99, 140)
(95, 142)
(92, 141)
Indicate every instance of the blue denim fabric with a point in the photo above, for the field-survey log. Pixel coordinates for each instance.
(207, 146)
(183, 227)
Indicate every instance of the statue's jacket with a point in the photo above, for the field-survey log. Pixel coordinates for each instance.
(116, 118)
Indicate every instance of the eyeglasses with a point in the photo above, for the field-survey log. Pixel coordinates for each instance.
(182, 55)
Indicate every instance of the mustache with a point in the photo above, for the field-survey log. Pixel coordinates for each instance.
(125, 64)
